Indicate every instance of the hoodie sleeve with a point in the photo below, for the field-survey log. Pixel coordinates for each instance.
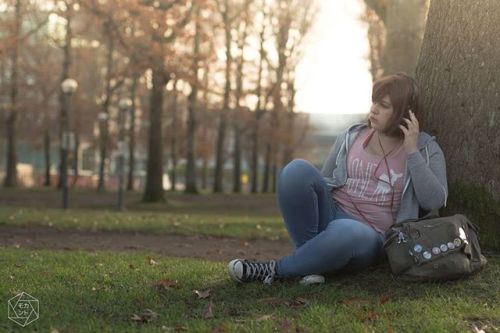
(429, 181)
(330, 162)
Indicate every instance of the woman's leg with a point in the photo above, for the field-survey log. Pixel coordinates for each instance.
(304, 200)
(345, 243)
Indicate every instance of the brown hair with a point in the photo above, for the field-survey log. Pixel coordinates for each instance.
(404, 95)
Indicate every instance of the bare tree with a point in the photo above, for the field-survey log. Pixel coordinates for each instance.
(404, 23)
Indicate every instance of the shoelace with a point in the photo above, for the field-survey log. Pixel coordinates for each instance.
(260, 271)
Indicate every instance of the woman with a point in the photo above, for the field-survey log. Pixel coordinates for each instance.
(376, 174)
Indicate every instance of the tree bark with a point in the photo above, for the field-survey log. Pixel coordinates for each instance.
(221, 135)
(154, 179)
(458, 72)
(267, 168)
(11, 170)
(192, 109)
(131, 152)
(104, 128)
(46, 146)
(64, 75)
(173, 142)
(404, 23)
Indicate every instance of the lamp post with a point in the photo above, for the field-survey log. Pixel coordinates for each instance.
(124, 105)
(68, 87)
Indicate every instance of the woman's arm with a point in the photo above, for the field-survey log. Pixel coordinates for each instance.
(429, 181)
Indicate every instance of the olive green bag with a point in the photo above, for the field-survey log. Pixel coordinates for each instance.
(442, 248)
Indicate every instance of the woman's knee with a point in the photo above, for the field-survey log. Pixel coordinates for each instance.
(298, 171)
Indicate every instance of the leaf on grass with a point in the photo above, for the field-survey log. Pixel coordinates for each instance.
(369, 316)
(274, 301)
(220, 328)
(165, 284)
(202, 294)
(151, 261)
(384, 298)
(146, 316)
(285, 325)
(356, 301)
(264, 317)
(298, 302)
(208, 312)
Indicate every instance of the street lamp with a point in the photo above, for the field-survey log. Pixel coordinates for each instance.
(124, 105)
(68, 87)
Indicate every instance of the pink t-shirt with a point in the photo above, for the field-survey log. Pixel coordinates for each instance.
(367, 194)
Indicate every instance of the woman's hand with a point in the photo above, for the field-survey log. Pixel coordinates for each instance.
(411, 132)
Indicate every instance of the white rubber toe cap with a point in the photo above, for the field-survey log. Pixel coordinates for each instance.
(235, 268)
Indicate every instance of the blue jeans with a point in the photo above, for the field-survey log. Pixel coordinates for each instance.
(326, 239)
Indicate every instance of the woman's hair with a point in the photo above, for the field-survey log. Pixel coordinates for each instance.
(404, 95)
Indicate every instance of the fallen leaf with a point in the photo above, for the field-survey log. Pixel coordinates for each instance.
(165, 284)
(151, 261)
(219, 329)
(208, 312)
(180, 328)
(385, 298)
(285, 325)
(298, 302)
(274, 301)
(54, 330)
(356, 301)
(202, 294)
(264, 317)
(146, 316)
(370, 316)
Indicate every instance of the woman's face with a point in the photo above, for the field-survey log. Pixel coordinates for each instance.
(381, 113)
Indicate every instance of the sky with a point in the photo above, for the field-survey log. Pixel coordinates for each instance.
(334, 75)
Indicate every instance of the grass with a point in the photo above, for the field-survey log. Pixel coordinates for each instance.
(242, 226)
(102, 291)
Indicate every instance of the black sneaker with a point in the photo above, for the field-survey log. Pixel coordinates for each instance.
(242, 270)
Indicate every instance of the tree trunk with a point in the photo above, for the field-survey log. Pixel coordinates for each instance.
(104, 122)
(254, 167)
(193, 105)
(458, 72)
(267, 168)
(220, 158)
(11, 172)
(131, 152)
(46, 146)
(64, 75)
(404, 23)
(154, 177)
(173, 142)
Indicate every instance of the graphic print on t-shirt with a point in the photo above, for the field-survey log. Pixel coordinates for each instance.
(360, 177)
(383, 187)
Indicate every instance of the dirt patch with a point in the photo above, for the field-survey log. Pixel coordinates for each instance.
(203, 247)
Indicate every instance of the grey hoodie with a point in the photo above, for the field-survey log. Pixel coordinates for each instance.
(424, 182)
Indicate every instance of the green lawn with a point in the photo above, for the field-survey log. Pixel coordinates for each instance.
(106, 291)
(244, 225)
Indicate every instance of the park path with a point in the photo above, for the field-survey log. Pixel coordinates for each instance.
(187, 246)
